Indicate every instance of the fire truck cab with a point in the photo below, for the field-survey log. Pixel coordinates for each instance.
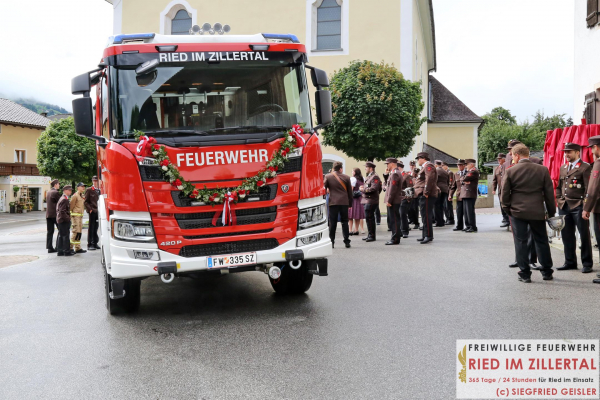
(220, 106)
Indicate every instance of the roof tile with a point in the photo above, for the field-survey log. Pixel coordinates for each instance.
(11, 112)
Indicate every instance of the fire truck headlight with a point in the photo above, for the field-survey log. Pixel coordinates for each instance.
(303, 241)
(311, 216)
(132, 231)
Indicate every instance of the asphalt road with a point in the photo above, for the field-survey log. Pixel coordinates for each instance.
(383, 324)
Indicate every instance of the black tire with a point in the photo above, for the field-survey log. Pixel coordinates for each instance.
(126, 305)
(293, 281)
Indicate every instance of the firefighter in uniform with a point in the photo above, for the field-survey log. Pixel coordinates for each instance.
(407, 181)
(63, 219)
(455, 188)
(443, 181)
(91, 206)
(570, 192)
(413, 209)
(591, 204)
(468, 193)
(426, 191)
(448, 211)
(370, 199)
(77, 208)
(393, 200)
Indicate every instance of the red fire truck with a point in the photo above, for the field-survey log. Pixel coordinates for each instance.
(216, 113)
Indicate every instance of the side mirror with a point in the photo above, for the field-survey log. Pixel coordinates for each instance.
(81, 84)
(319, 78)
(83, 116)
(323, 106)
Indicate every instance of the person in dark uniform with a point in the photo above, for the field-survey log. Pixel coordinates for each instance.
(63, 218)
(52, 198)
(371, 190)
(92, 194)
(386, 175)
(340, 199)
(526, 189)
(393, 200)
(448, 209)
(413, 209)
(570, 193)
(497, 185)
(591, 203)
(442, 183)
(468, 193)
(426, 191)
(455, 188)
(407, 181)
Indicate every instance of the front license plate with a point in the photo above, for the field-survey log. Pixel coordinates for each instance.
(232, 260)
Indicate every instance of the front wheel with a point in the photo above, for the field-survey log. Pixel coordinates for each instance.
(125, 305)
(293, 281)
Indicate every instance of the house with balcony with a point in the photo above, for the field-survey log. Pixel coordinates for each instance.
(19, 131)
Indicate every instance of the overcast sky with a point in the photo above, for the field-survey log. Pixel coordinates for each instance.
(517, 54)
(512, 53)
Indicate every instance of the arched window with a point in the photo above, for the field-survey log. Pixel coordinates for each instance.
(181, 23)
(329, 25)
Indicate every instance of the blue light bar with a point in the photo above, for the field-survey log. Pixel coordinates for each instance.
(281, 36)
(134, 36)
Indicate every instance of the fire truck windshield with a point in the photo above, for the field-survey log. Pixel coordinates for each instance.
(209, 98)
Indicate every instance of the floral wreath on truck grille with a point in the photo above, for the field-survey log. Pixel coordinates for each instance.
(147, 147)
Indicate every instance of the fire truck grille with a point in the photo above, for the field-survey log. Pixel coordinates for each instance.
(293, 165)
(214, 235)
(151, 173)
(265, 193)
(243, 217)
(214, 249)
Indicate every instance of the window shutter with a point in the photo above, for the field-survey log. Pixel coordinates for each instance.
(592, 13)
(590, 108)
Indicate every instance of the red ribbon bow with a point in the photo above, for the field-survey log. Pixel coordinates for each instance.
(227, 214)
(296, 133)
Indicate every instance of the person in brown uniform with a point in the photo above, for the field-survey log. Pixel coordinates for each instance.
(393, 200)
(468, 193)
(570, 193)
(63, 218)
(526, 189)
(52, 197)
(370, 199)
(91, 206)
(443, 180)
(497, 185)
(340, 199)
(77, 208)
(413, 208)
(448, 209)
(426, 191)
(407, 181)
(455, 188)
(591, 203)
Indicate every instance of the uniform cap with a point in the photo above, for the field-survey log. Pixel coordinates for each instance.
(369, 164)
(80, 184)
(512, 143)
(400, 164)
(501, 155)
(67, 187)
(438, 162)
(571, 146)
(422, 155)
(460, 162)
(94, 178)
(594, 140)
(391, 160)
(54, 182)
(412, 162)
(470, 161)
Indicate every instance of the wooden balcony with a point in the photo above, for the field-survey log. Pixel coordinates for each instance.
(18, 169)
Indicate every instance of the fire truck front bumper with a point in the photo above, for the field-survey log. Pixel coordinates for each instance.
(130, 260)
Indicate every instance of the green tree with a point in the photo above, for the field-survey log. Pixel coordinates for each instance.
(500, 114)
(376, 112)
(64, 155)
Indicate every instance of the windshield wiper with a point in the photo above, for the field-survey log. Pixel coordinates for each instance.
(175, 132)
(248, 128)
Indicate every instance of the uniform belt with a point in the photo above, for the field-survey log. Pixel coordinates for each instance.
(76, 214)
